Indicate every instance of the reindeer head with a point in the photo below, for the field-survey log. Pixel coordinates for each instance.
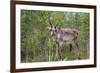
(52, 30)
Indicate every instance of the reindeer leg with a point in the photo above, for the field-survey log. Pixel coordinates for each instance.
(76, 49)
(60, 50)
(57, 51)
(70, 46)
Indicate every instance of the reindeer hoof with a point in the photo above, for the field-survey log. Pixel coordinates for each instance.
(79, 58)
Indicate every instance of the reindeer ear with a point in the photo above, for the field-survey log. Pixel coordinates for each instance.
(55, 27)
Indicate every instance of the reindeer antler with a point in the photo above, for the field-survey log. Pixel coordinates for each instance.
(50, 22)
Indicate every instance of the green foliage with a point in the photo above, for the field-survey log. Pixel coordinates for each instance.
(36, 42)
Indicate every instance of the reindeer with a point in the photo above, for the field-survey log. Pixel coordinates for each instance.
(68, 36)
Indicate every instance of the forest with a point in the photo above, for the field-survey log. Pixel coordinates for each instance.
(36, 42)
